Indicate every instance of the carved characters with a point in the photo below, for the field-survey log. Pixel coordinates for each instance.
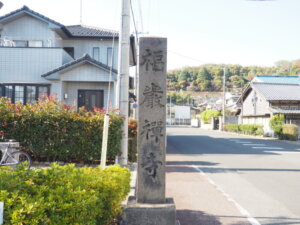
(151, 165)
(153, 130)
(152, 96)
(153, 60)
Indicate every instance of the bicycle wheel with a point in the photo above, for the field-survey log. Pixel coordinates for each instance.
(16, 158)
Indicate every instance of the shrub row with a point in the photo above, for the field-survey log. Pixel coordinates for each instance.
(251, 129)
(52, 130)
(63, 195)
(289, 132)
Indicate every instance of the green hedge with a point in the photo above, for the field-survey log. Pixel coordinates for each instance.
(289, 132)
(51, 130)
(251, 129)
(208, 114)
(63, 195)
(276, 123)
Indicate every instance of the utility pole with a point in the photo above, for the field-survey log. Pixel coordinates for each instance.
(123, 78)
(224, 98)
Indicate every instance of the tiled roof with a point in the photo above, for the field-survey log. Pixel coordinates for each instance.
(87, 31)
(279, 79)
(286, 110)
(273, 92)
(85, 58)
(26, 9)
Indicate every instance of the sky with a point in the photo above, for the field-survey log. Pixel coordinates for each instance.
(199, 31)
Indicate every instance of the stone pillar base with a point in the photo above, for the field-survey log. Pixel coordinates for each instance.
(149, 214)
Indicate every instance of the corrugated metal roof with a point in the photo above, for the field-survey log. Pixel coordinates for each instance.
(85, 58)
(278, 79)
(289, 92)
(87, 31)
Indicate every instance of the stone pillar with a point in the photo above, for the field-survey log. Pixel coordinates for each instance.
(150, 206)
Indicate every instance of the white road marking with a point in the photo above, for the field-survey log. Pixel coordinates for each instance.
(243, 211)
(284, 152)
(268, 148)
(256, 144)
(243, 142)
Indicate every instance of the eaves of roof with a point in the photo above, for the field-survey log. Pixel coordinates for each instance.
(31, 12)
(85, 58)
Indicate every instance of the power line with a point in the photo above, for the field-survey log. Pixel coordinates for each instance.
(141, 15)
(134, 22)
(187, 57)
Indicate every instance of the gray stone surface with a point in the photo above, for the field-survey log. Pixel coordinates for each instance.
(152, 120)
(150, 214)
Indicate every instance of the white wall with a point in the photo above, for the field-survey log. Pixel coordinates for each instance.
(28, 64)
(28, 28)
(82, 47)
(261, 105)
(86, 73)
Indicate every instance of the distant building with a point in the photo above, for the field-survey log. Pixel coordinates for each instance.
(260, 101)
(277, 79)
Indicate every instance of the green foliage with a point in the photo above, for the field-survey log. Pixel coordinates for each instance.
(63, 195)
(208, 114)
(49, 129)
(209, 77)
(290, 132)
(276, 123)
(178, 98)
(250, 129)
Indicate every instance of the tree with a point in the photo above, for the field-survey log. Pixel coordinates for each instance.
(276, 123)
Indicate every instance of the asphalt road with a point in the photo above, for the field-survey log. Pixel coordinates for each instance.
(224, 178)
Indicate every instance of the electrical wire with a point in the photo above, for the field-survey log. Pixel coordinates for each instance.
(187, 57)
(141, 15)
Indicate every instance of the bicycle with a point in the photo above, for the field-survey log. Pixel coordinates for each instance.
(14, 158)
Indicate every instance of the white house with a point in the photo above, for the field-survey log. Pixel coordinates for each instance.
(41, 56)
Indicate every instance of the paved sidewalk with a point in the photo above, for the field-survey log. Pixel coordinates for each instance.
(199, 202)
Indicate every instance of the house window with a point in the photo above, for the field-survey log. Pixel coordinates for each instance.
(35, 44)
(19, 94)
(21, 43)
(8, 91)
(30, 94)
(96, 53)
(24, 93)
(110, 60)
(43, 92)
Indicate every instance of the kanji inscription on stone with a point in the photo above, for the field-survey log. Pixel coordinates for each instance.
(151, 120)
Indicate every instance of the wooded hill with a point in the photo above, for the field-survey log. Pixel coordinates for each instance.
(209, 77)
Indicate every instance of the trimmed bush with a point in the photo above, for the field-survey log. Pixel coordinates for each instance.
(289, 132)
(208, 114)
(250, 129)
(51, 131)
(63, 195)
